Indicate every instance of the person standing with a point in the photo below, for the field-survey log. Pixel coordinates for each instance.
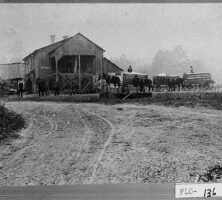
(191, 69)
(74, 87)
(130, 69)
(57, 88)
(28, 86)
(136, 82)
(141, 84)
(41, 87)
(2, 89)
(46, 88)
(20, 89)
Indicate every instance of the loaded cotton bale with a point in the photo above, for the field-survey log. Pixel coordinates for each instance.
(129, 76)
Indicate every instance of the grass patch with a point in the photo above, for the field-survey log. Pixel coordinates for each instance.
(10, 122)
(213, 174)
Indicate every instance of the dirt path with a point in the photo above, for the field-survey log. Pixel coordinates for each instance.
(67, 143)
(62, 144)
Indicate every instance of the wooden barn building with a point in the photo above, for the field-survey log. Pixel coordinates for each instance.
(13, 71)
(68, 59)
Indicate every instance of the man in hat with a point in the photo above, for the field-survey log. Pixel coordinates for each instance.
(136, 82)
(2, 88)
(20, 89)
(191, 69)
(130, 69)
(57, 86)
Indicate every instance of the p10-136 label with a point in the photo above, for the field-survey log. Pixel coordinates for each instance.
(198, 190)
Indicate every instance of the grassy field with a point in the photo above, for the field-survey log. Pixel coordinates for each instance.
(211, 100)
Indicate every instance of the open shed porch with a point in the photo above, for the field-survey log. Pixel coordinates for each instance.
(74, 69)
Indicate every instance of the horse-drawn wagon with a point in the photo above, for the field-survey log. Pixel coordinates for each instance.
(127, 83)
(164, 82)
(132, 81)
(159, 83)
(188, 82)
(194, 81)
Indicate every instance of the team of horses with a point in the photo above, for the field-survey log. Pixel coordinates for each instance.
(140, 84)
(146, 84)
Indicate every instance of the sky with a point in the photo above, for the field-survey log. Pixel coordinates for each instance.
(136, 30)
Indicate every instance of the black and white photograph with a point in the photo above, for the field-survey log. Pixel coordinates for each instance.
(112, 97)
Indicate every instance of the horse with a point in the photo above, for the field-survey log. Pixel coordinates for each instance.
(115, 80)
(148, 84)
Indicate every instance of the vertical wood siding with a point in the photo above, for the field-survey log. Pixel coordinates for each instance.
(109, 67)
(77, 45)
(13, 70)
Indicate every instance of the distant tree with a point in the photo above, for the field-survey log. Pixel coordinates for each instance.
(174, 62)
(199, 66)
(123, 62)
(138, 65)
(162, 62)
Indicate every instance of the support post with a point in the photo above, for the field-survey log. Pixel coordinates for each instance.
(101, 66)
(79, 74)
(57, 77)
(74, 65)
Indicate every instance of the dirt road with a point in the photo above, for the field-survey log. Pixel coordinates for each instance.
(67, 143)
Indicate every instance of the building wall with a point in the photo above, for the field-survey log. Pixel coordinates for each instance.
(28, 65)
(79, 45)
(13, 70)
(44, 67)
(110, 67)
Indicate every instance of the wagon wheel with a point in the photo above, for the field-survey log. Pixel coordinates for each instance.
(205, 87)
(177, 87)
(167, 88)
(202, 87)
(162, 88)
(156, 88)
(194, 87)
(188, 87)
(209, 86)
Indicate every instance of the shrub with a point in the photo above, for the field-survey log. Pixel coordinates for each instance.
(9, 122)
(2, 115)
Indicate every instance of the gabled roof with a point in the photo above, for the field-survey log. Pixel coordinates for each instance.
(89, 41)
(73, 37)
(113, 64)
(17, 63)
(45, 47)
(60, 43)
